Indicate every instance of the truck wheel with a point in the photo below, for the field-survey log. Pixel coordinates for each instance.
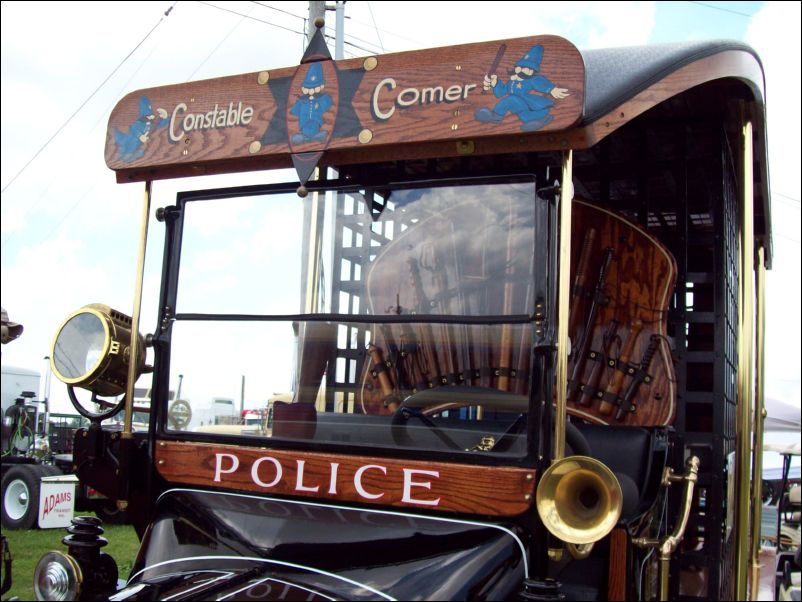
(110, 514)
(21, 497)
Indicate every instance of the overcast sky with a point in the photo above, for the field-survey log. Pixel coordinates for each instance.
(69, 232)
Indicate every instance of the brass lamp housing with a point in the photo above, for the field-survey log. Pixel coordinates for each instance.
(92, 350)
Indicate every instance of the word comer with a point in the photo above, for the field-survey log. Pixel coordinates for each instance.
(268, 472)
(182, 122)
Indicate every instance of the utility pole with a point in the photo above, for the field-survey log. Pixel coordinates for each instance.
(339, 40)
(242, 397)
(316, 9)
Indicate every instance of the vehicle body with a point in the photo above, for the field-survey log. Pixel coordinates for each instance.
(37, 443)
(515, 327)
(787, 536)
(27, 455)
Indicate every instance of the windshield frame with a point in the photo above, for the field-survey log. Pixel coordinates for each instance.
(540, 385)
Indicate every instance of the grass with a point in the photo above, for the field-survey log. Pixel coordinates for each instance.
(27, 547)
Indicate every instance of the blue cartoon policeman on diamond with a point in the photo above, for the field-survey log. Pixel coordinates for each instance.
(130, 146)
(527, 95)
(311, 106)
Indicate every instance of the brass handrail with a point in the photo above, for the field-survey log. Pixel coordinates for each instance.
(668, 544)
(746, 391)
(135, 314)
(759, 415)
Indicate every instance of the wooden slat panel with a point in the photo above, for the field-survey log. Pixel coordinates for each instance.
(637, 288)
(494, 491)
(617, 569)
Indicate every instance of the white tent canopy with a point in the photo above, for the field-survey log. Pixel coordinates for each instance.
(787, 449)
(782, 416)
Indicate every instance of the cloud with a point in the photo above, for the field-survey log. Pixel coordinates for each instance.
(774, 32)
(586, 24)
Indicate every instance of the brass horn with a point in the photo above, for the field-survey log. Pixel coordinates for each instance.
(579, 499)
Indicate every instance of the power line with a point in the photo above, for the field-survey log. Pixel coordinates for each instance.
(279, 10)
(785, 196)
(788, 238)
(399, 36)
(67, 164)
(376, 27)
(346, 42)
(348, 35)
(233, 12)
(83, 104)
(721, 8)
(220, 43)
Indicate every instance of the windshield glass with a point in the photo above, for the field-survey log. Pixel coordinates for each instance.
(392, 317)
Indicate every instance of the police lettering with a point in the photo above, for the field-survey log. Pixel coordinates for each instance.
(385, 101)
(182, 122)
(267, 472)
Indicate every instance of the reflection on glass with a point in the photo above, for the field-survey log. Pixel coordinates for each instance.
(79, 345)
(461, 251)
(455, 250)
(398, 254)
(341, 403)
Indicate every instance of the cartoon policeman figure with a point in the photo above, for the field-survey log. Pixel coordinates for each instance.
(310, 107)
(130, 146)
(527, 94)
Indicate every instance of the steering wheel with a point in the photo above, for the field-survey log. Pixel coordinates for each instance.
(425, 403)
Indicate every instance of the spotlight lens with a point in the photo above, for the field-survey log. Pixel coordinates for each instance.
(79, 346)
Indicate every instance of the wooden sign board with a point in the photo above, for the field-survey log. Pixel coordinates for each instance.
(430, 486)
(519, 87)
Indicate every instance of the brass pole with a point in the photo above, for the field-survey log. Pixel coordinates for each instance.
(564, 298)
(745, 388)
(760, 414)
(140, 277)
(313, 273)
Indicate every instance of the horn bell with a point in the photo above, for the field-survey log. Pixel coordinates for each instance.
(579, 499)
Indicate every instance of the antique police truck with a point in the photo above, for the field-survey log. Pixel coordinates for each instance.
(515, 286)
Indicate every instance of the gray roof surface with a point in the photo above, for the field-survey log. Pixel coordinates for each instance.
(614, 75)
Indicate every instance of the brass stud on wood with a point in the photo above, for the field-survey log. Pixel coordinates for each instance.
(365, 136)
(465, 147)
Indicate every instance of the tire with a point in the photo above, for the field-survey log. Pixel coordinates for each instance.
(50, 471)
(20, 496)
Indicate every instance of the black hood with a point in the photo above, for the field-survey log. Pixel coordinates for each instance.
(210, 545)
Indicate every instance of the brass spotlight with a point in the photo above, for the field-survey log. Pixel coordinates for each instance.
(92, 350)
(57, 576)
(579, 499)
